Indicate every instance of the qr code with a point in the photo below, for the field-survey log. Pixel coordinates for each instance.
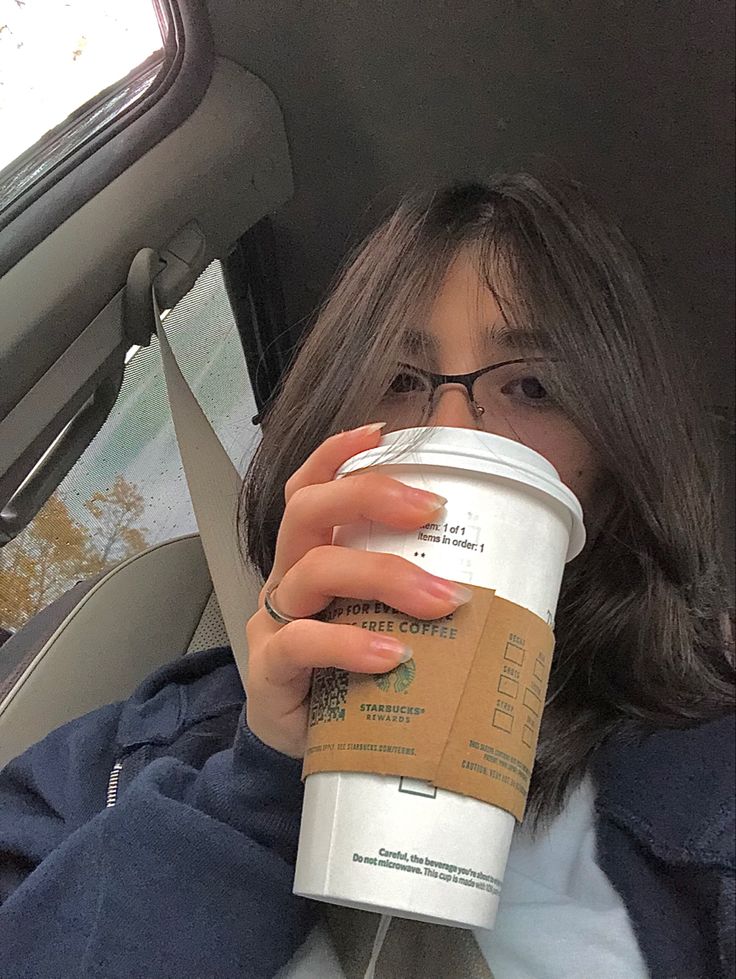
(329, 693)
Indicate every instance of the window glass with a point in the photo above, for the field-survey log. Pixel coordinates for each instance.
(56, 57)
(128, 491)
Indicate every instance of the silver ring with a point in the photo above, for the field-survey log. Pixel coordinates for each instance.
(274, 612)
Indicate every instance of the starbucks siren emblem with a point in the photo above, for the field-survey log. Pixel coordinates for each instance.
(400, 679)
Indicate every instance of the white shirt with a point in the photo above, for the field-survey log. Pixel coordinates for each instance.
(559, 917)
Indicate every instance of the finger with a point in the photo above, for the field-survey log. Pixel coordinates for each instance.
(323, 463)
(330, 571)
(315, 510)
(280, 677)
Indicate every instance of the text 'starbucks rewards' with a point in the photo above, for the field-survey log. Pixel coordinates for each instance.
(415, 778)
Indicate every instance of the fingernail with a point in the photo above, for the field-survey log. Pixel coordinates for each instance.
(421, 498)
(448, 590)
(367, 429)
(391, 650)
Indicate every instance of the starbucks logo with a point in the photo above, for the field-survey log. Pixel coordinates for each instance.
(399, 679)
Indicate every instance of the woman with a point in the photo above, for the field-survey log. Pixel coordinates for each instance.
(624, 864)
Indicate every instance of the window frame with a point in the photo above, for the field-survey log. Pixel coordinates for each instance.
(178, 88)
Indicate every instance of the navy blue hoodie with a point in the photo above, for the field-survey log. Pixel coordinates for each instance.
(157, 837)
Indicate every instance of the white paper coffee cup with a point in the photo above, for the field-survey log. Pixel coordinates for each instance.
(511, 525)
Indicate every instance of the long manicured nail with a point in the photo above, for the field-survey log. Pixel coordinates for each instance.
(424, 499)
(367, 429)
(390, 650)
(449, 590)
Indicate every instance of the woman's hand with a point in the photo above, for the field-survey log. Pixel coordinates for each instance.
(311, 571)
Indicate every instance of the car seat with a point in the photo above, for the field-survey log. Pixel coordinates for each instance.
(96, 643)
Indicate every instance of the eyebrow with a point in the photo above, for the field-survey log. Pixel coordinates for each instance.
(499, 335)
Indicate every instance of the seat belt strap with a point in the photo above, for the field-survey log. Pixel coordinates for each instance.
(214, 486)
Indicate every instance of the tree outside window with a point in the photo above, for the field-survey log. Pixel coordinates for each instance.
(55, 551)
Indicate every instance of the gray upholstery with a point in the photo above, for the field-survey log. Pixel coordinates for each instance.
(96, 643)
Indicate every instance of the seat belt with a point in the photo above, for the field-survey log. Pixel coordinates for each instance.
(214, 485)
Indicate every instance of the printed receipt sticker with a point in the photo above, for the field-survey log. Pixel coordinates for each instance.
(463, 713)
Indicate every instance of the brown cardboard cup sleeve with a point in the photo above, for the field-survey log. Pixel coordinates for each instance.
(463, 713)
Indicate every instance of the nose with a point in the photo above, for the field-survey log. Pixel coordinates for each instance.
(452, 407)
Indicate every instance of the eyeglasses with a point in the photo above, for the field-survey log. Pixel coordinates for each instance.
(509, 387)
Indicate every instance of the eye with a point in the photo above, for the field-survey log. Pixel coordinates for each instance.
(406, 382)
(528, 389)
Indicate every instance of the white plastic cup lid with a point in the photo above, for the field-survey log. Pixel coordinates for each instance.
(475, 452)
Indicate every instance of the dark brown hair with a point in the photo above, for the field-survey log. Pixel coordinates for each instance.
(640, 632)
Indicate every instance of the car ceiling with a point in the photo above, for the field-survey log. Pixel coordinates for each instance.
(634, 99)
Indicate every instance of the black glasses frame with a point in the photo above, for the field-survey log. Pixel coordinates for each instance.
(467, 380)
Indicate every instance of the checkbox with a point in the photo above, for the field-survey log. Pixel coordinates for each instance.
(509, 686)
(514, 653)
(503, 721)
(532, 701)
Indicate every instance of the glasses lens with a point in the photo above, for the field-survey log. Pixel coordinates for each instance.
(515, 393)
(406, 401)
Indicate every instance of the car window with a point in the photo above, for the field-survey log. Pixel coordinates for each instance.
(128, 490)
(66, 69)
